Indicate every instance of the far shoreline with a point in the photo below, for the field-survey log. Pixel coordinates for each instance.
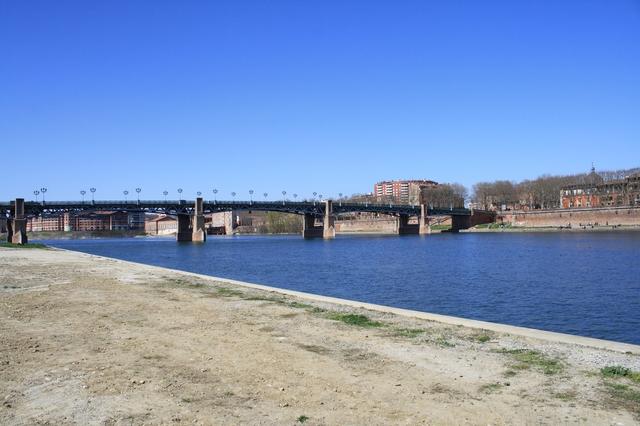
(43, 236)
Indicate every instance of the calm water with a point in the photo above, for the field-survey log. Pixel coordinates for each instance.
(586, 284)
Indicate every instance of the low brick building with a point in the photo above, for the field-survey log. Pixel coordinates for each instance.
(86, 221)
(161, 225)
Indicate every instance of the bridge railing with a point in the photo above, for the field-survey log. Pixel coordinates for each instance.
(315, 206)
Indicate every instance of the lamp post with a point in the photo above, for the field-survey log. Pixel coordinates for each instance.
(43, 190)
(82, 193)
(265, 196)
(198, 193)
(165, 193)
(314, 197)
(125, 192)
(251, 196)
(340, 196)
(284, 193)
(233, 195)
(36, 192)
(180, 193)
(215, 191)
(138, 190)
(295, 196)
(320, 197)
(93, 191)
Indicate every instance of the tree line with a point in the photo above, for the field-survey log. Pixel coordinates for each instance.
(540, 193)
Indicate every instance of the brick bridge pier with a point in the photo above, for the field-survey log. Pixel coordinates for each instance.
(17, 226)
(191, 227)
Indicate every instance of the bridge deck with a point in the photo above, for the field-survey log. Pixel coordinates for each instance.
(186, 206)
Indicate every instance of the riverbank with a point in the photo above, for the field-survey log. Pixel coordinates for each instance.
(497, 228)
(87, 339)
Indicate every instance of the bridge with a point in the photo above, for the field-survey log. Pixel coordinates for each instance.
(190, 214)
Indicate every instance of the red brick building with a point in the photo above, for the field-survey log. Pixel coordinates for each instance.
(401, 191)
(598, 193)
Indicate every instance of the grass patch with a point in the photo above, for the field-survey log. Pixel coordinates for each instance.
(443, 342)
(300, 305)
(624, 392)
(23, 246)
(490, 387)
(355, 319)
(616, 371)
(510, 373)
(178, 281)
(520, 366)
(302, 419)
(565, 396)
(624, 396)
(408, 332)
(227, 292)
(481, 338)
(440, 227)
(309, 308)
(154, 357)
(495, 225)
(529, 358)
(195, 285)
(264, 299)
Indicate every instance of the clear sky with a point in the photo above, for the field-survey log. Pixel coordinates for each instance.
(303, 96)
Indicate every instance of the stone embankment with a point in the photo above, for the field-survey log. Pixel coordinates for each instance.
(90, 340)
(576, 218)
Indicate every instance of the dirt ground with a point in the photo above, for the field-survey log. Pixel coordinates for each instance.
(88, 340)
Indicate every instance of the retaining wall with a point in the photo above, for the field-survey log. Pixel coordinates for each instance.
(606, 216)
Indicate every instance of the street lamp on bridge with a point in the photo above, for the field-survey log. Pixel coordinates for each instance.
(233, 194)
(165, 193)
(265, 196)
(125, 192)
(93, 191)
(82, 193)
(314, 197)
(215, 191)
(251, 196)
(284, 193)
(138, 190)
(36, 192)
(295, 196)
(180, 193)
(198, 193)
(43, 190)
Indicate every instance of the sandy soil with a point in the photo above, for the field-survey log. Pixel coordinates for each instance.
(88, 340)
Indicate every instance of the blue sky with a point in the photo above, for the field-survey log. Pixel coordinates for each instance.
(325, 96)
